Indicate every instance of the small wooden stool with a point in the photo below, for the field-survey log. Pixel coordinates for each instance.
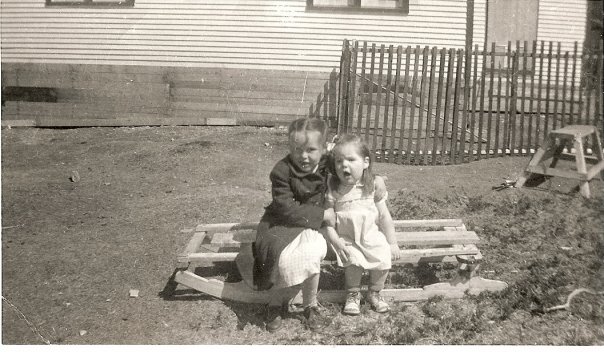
(552, 148)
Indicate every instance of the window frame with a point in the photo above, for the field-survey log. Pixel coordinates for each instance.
(91, 3)
(357, 7)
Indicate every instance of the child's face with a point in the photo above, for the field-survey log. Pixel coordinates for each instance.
(306, 149)
(349, 164)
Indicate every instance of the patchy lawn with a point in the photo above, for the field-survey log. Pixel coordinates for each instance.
(89, 214)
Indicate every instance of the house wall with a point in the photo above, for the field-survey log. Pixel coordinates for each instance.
(564, 22)
(196, 62)
(254, 34)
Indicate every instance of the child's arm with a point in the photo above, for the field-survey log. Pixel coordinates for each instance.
(384, 221)
(330, 233)
(289, 210)
(337, 242)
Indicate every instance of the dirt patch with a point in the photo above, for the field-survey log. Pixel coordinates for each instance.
(71, 251)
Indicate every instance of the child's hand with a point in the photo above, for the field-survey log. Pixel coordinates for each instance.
(395, 251)
(329, 217)
(342, 249)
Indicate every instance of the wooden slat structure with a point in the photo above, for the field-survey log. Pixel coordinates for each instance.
(517, 104)
(104, 95)
(422, 241)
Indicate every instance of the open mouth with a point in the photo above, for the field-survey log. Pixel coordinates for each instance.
(346, 174)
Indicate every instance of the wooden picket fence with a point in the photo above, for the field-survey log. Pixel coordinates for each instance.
(446, 106)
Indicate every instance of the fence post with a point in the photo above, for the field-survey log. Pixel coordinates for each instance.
(352, 86)
(343, 88)
(332, 94)
(513, 103)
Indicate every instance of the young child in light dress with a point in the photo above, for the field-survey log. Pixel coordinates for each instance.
(363, 236)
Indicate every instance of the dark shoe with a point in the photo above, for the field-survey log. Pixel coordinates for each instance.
(314, 319)
(274, 318)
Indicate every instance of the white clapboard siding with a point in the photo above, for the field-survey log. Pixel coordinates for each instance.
(261, 34)
(562, 21)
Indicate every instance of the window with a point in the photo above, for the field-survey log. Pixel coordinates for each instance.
(383, 6)
(91, 3)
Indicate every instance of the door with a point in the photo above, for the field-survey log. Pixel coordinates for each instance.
(511, 20)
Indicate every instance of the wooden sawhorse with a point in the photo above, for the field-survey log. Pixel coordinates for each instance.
(552, 148)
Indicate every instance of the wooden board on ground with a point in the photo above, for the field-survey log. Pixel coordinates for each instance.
(442, 240)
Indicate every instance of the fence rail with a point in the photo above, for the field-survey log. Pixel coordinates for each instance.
(435, 106)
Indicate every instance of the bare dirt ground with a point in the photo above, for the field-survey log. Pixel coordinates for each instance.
(74, 244)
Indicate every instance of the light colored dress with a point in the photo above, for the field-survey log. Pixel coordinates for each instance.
(356, 223)
(300, 259)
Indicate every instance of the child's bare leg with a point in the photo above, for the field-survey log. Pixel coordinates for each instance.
(314, 318)
(377, 279)
(309, 291)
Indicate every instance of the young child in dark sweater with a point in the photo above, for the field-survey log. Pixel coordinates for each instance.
(289, 247)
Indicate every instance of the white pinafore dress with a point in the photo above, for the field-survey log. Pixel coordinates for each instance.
(356, 223)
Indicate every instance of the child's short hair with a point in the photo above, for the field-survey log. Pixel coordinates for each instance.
(363, 149)
(309, 124)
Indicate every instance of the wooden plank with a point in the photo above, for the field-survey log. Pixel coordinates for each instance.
(594, 170)
(455, 122)
(498, 115)
(199, 94)
(557, 85)
(408, 256)
(473, 108)
(352, 85)
(507, 95)
(572, 85)
(128, 120)
(539, 93)
(430, 98)
(238, 109)
(511, 144)
(532, 98)
(228, 291)
(343, 87)
(412, 104)
(414, 238)
(100, 108)
(482, 102)
(450, 79)
(548, 89)
(582, 80)
(387, 105)
(464, 110)
(548, 171)
(422, 98)
(15, 121)
(362, 86)
(240, 292)
(376, 121)
(564, 85)
(370, 100)
(490, 115)
(439, 93)
(192, 246)
(598, 104)
(397, 78)
(404, 103)
(226, 227)
(522, 97)
(589, 73)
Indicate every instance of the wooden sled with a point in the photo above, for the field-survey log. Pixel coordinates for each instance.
(421, 241)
